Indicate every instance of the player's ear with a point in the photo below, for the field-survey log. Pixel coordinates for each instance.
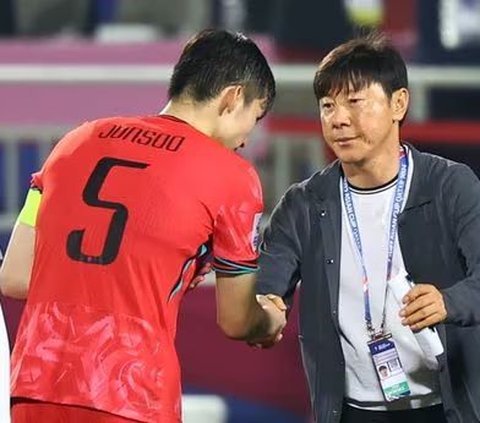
(230, 98)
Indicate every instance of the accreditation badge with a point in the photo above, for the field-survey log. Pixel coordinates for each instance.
(388, 367)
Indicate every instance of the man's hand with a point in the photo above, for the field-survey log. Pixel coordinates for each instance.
(424, 306)
(275, 309)
(200, 276)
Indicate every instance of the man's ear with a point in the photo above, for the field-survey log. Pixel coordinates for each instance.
(231, 97)
(400, 101)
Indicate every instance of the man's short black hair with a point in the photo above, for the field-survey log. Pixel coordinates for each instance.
(357, 64)
(214, 60)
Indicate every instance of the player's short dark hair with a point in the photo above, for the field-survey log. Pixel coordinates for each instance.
(383, 367)
(357, 64)
(214, 60)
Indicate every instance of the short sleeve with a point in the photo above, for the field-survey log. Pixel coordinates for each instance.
(29, 212)
(37, 181)
(79, 133)
(236, 230)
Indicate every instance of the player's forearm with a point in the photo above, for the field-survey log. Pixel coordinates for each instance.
(243, 320)
(14, 289)
(16, 268)
(260, 322)
(243, 315)
(14, 282)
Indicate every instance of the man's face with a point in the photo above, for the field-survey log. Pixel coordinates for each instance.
(237, 126)
(357, 124)
(383, 372)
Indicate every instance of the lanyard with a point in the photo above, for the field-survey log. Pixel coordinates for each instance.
(352, 220)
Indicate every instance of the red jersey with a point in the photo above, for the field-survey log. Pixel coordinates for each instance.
(127, 204)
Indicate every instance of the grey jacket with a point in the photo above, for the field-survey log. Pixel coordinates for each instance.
(439, 234)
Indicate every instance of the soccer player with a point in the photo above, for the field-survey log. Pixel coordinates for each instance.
(110, 235)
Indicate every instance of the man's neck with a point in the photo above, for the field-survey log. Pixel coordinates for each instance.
(374, 172)
(196, 116)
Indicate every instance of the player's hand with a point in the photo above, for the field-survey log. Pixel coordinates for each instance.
(423, 307)
(200, 276)
(275, 309)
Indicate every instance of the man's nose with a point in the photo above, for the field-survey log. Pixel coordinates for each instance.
(340, 116)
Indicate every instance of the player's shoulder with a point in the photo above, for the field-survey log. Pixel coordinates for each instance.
(152, 121)
(114, 126)
(90, 126)
(238, 166)
(117, 120)
(240, 162)
(84, 133)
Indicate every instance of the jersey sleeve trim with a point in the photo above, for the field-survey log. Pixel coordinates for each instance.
(28, 214)
(234, 268)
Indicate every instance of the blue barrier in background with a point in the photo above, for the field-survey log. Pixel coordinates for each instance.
(28, 163)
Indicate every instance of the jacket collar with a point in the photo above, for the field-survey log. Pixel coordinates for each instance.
(324, 184)
(421, 190)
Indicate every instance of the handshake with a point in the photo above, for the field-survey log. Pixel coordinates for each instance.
(272, 322)
(263, 317)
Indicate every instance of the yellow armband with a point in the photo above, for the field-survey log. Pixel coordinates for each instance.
(28, 215)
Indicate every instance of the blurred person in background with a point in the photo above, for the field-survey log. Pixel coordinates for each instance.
(86, 17)
(168, 18)
(337, 233)
(448, 31)
(7, 18)
(51, 17)
(114, 229)
(306, 28)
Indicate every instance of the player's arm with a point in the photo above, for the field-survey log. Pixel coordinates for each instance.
(17, 264)
(240, 312)
(241, 316)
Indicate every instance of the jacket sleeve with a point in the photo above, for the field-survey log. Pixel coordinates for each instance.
(462, 192)
(280, 250)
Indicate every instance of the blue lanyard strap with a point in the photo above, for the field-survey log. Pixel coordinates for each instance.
(353, 223)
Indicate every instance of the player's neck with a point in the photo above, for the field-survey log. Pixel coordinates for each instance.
(375, 171)
(197, 117)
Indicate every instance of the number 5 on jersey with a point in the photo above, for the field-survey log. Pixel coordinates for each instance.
(117, 225)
